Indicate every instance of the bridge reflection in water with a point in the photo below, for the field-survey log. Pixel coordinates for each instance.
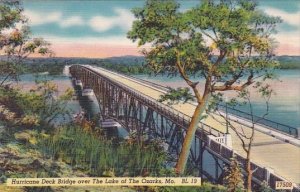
(138, 112)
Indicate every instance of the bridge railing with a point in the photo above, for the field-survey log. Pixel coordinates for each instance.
(279, 127)
(261, 173)
(285, 129)
(153, 103)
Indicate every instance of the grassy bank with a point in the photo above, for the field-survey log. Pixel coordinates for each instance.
(98, 156)
(31, 146)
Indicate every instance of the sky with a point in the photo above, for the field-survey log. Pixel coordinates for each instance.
(97, 29)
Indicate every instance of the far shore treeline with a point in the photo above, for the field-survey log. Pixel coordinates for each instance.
(132, 65)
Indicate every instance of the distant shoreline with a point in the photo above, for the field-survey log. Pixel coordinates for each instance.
(130, 65)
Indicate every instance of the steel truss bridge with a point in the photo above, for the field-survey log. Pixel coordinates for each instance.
(144, 115)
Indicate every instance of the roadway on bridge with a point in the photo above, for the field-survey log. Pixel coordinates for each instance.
(267, 151)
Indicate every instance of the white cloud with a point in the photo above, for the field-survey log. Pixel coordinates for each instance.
(39, 18)
(101, 24)
(123, 20)
(289, 18)
(72, 21)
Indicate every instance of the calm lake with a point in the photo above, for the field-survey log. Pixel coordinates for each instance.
(284, 106)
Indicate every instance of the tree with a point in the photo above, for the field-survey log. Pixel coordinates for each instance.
(15, 41)
(45, 103)
(41, 107)
(234, 176)
(244, 98)
(228, 43)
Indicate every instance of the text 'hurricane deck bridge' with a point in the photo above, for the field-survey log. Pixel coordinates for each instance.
(133, 103)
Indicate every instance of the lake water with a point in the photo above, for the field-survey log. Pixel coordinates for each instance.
(63, 82)
(284, 106)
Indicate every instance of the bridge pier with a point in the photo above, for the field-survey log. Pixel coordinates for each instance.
(137, 113)
(143, 114)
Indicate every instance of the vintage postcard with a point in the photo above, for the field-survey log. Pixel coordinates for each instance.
(149, 95)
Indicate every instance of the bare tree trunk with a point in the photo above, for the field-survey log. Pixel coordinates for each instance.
(185, 150)
(249, 172)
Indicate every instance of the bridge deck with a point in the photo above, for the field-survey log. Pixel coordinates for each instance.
(267, 151)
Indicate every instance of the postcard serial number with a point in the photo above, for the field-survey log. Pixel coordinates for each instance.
(284, 185)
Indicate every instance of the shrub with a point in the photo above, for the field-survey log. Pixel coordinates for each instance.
(99, 156)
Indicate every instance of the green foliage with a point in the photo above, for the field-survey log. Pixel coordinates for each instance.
(38, 109)
(227, 43)
(234, 177)
(205, 187)
(264, 187)
(15, 42)
(10, 111)
(10, 13)
(223, 41)
(176, 95)
(98, 156)
(44, 102)
(289, 62)
(27, 137)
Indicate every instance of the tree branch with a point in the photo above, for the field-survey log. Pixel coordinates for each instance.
(215, 34)
(187, 80)
(230, 86)
(208, 35)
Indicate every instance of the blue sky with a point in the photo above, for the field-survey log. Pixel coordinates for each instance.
(106, 22)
